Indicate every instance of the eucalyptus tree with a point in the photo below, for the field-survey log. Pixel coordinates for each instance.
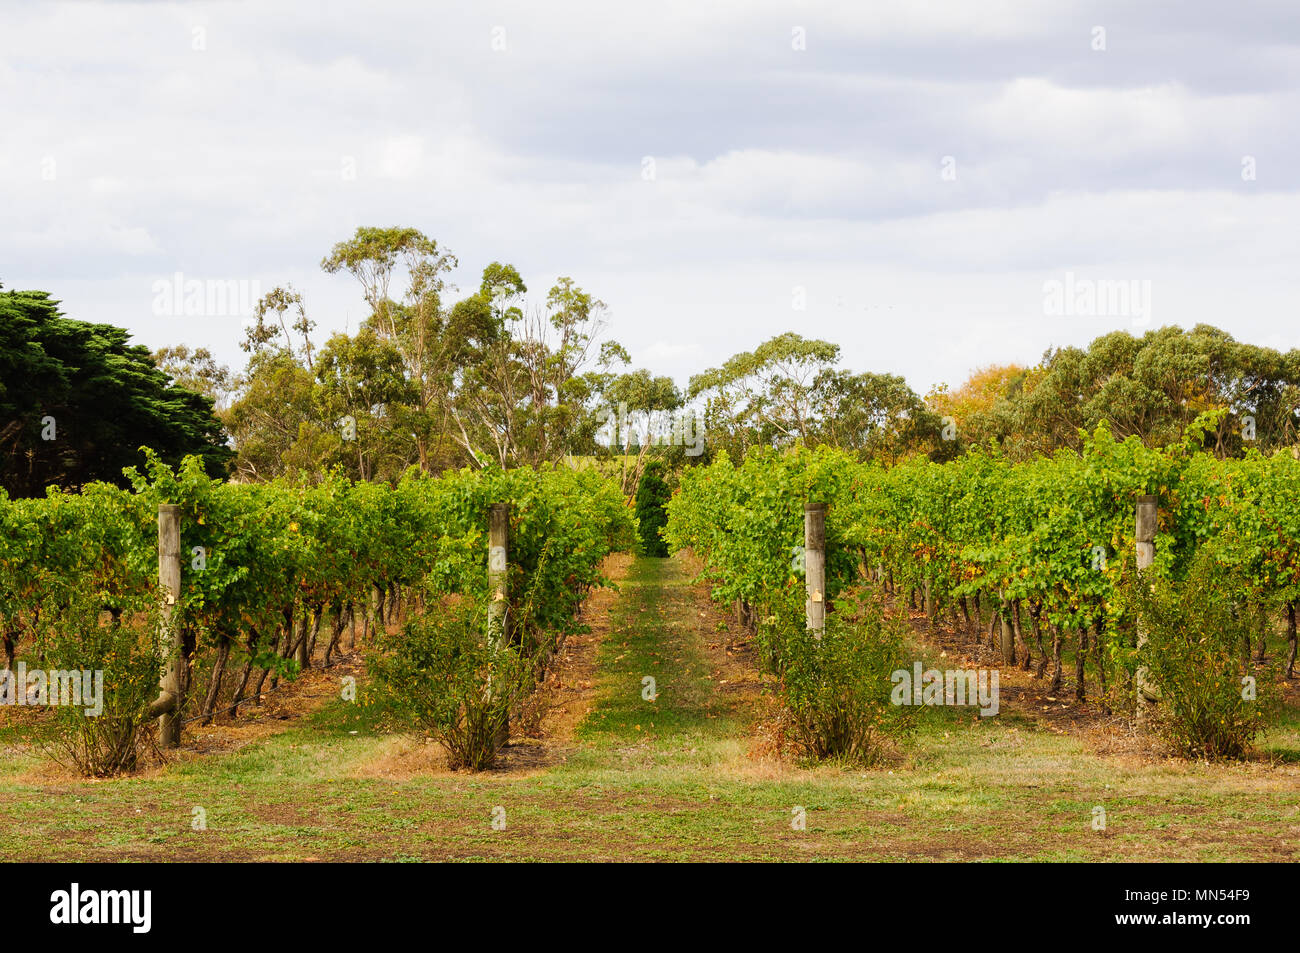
(765, 396)
(635, 410)
(875, 416)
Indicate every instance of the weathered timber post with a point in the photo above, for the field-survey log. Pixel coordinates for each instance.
(1145, 536)
(498, 533)
(169, 577)
(498, 556)
(814, 561)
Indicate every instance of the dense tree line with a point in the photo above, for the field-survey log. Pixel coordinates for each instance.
(426, 381)
(440, 381)
(1151, 387)
(77, 401)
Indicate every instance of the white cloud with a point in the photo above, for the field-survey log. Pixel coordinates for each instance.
(400, 157)
(773, 167)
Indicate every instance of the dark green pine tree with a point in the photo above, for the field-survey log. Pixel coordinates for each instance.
(77, 402)
(652, 495)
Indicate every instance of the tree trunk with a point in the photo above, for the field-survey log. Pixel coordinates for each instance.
(1080, 688)
(189, 650)
(214, 685)
(1036, 615)
(280, 636)
(336, 632)
(1025, 659)
(1055, 685)
(1290, 639)
(257, 692)
(317, 611)
(290, 629)
(299, 639)
(1008, 635)
(238, 700)
(1099, 651)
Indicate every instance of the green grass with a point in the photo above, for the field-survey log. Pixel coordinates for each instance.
(653, 637)
(664, 780)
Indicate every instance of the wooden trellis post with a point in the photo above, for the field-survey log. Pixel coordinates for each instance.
(814, 556)
(1145, 536)
(498, 562)
(169, 578)
(498, 555)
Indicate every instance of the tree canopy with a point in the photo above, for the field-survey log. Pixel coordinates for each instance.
(77, 401)
(1152, 387)
(439, 380)
(789, 390)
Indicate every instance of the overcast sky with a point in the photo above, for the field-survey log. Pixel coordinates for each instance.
(911, 173)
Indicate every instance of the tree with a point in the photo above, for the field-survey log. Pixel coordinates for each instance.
(1152, 387)
(196, 370)
(77, 401)
(372, 254)
(276, 403)
(439, 346)
(525, 398)
(979, 409)
(652, 496)
(367, 405)
(876, 416)
(631, 406)
(483, 381)
(274, 420)
(788, 390)
(765, 396)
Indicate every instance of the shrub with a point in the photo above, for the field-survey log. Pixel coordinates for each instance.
(652, 495)
(1197, 655)
(836, 689)
(115, 657)
(443, 672)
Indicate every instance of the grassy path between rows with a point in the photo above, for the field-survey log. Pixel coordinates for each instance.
(671, 778)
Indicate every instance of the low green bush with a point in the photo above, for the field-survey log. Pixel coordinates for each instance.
(460, 687)
(836, 689)
(107, 671)
(1214, 700)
